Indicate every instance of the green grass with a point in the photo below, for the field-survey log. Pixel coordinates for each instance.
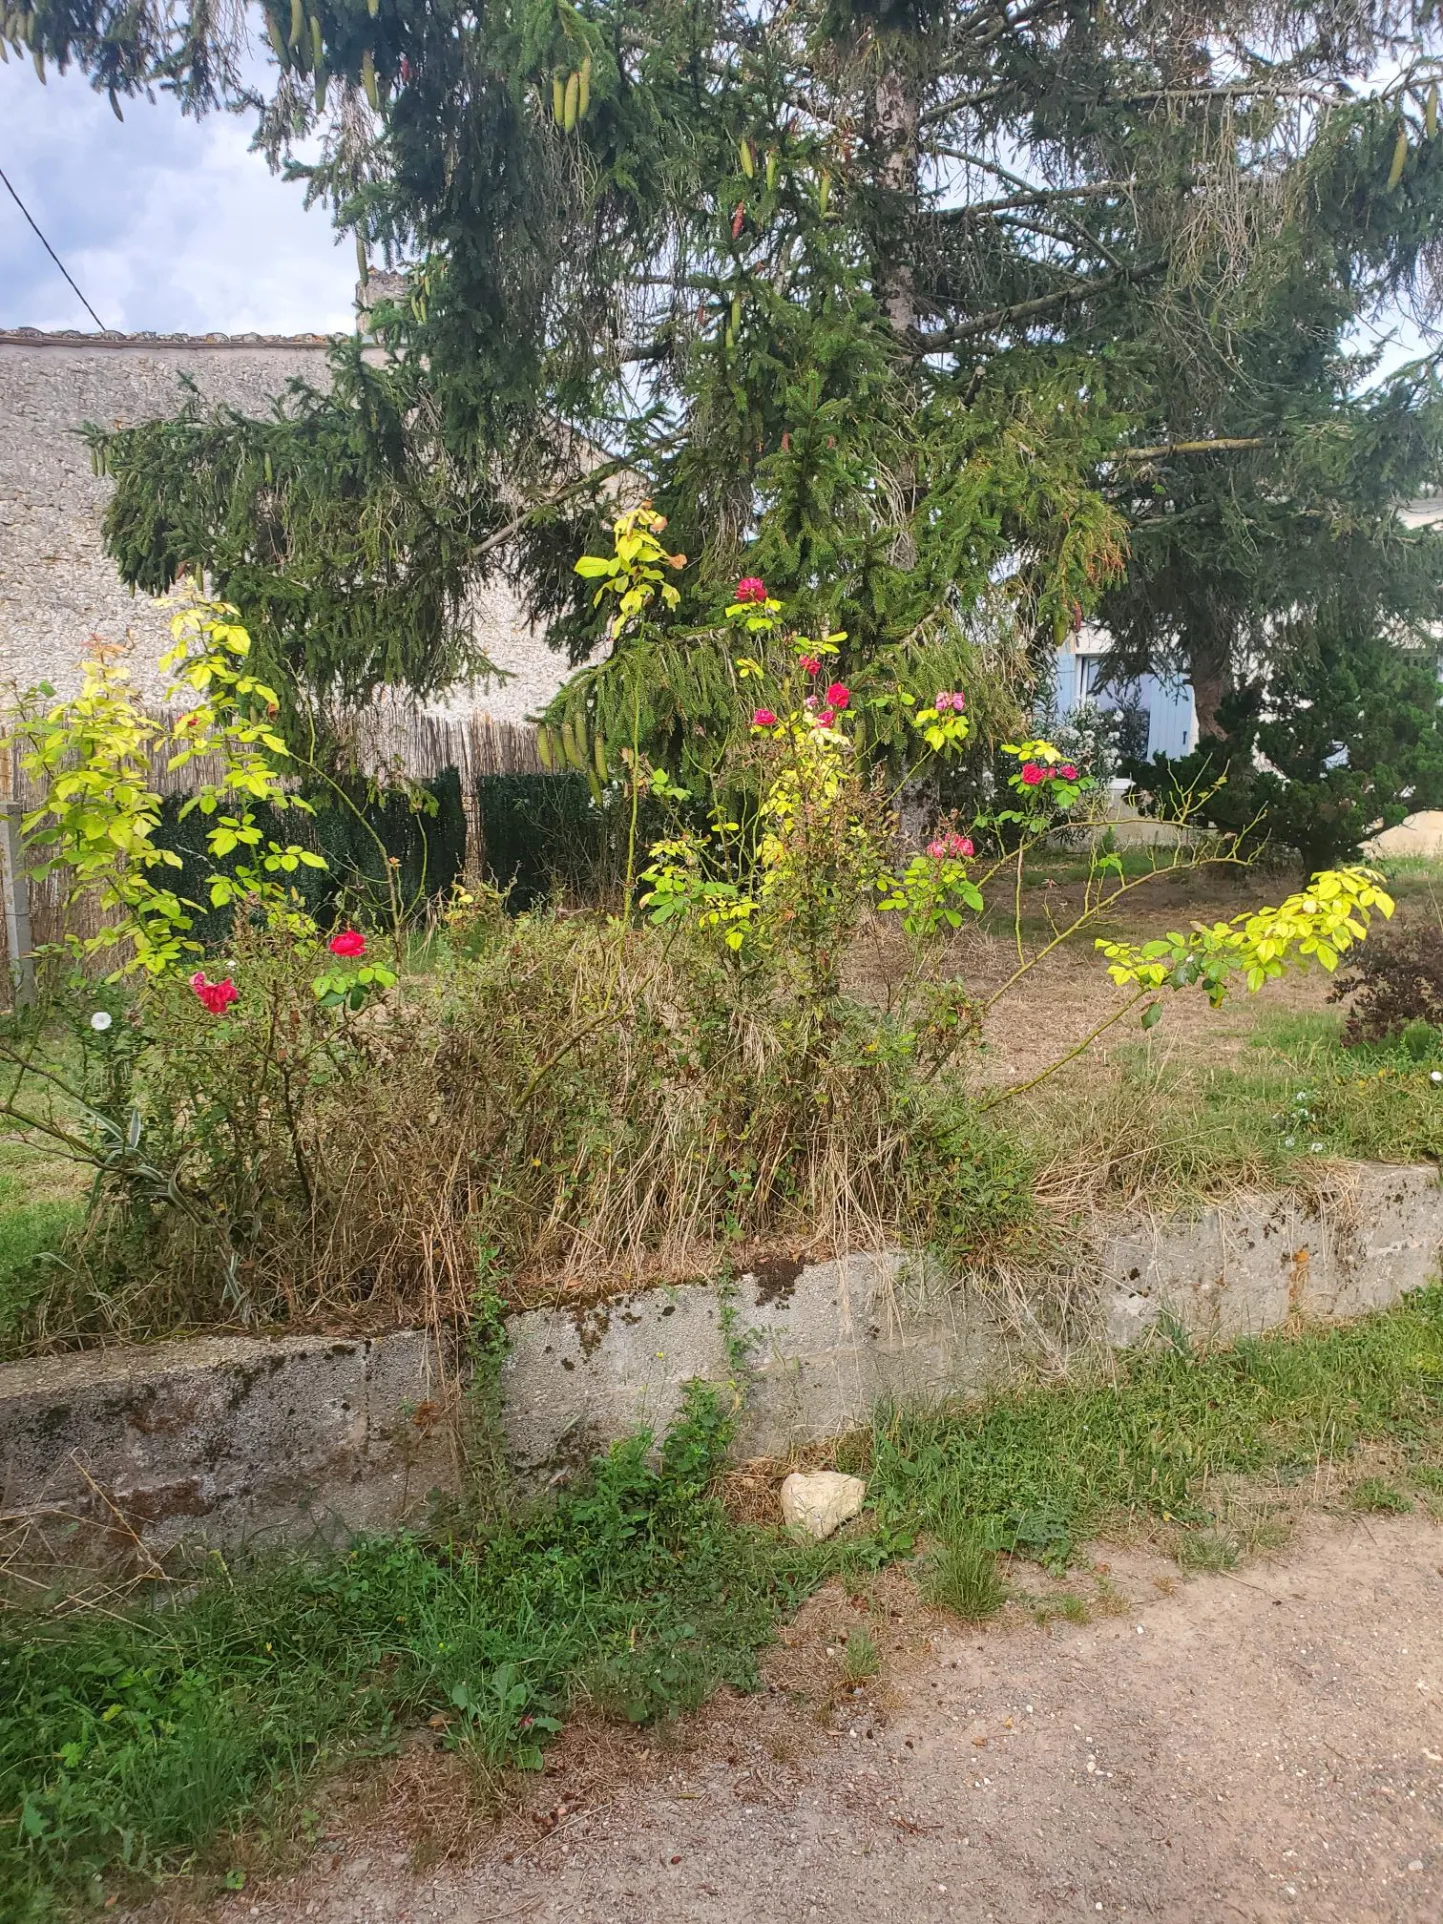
(1375, 1496)
(1037, 1472)
(1168, 1133)
(34, 1228)
(1375, 1101)
(149, 1743)
(859, 1658)
(132, 1746)
(961, 1576)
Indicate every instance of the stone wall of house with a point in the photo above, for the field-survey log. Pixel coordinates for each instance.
(57, 586)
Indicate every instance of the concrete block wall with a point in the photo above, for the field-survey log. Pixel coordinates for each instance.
(121, 1455)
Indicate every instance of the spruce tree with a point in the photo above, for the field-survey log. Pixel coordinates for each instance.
(880, 299)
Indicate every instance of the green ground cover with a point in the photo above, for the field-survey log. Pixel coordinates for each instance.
(147, 1744)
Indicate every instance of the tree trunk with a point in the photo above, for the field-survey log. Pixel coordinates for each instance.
(892, 135)
(1210, 673)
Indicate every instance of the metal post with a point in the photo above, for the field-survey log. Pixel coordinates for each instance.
(16, 884)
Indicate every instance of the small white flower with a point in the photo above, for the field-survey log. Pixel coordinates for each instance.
(1317, 1149)
(1435, 1075)
(102, 1019)
(1288, 1141)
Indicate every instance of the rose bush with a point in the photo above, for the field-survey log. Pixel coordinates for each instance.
(293, 1127)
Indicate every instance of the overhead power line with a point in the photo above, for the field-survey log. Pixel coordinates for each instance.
(52, 253)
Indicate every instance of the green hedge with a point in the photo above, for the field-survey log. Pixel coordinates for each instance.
(430, 844)
(543, 837)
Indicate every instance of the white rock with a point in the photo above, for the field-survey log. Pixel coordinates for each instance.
(821, 1502)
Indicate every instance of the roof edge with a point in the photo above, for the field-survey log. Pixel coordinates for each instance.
(73, 337)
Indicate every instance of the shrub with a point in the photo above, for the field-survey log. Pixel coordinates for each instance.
(1392, 983)
(582, 1102)
(288, 1132)
(1344, 736)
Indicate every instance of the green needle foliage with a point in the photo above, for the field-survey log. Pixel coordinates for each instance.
(890, 301)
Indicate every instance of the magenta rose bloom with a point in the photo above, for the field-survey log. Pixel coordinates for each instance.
(214, 996)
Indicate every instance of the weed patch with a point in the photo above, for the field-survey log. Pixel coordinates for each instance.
(1375, 1496)
(1039, 1470)
(961, 1575)
(134, 1747)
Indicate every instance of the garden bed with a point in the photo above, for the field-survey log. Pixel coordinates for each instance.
(659, 1152)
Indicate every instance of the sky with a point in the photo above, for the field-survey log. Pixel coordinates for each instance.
(173, 225)
(167, 224)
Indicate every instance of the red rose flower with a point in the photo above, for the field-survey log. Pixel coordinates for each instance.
(349, 942)
(810, 662)
(1068, 772)
(751, 588)
(763, 718)
(825, 718)
(1032, 774)
(215, 996)
(838, 695)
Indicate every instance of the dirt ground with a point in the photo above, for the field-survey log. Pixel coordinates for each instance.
(1260, 1745)
(1055, 1004)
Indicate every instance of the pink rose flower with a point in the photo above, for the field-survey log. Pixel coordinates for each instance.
(349, 942)
(1032, 774)
(1068, 772)
(214, 996)
(811, 663)
(763, 718)
(751, 588)
(825, 718)
(952, 845)
(838, 695)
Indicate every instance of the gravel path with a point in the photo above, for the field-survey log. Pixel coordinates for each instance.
(1261, 1745)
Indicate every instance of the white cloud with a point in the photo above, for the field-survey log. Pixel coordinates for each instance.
(166, 223)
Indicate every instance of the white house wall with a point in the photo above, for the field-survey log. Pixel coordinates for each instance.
(1080, 677)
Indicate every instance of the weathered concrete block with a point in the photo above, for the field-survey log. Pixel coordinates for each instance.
(1256, 1262)
(824, 1344)
(232, 1438)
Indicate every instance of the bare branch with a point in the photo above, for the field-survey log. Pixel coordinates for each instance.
(999, 317)
(1218, 444)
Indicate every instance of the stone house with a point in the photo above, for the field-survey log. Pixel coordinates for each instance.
(58, 588)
